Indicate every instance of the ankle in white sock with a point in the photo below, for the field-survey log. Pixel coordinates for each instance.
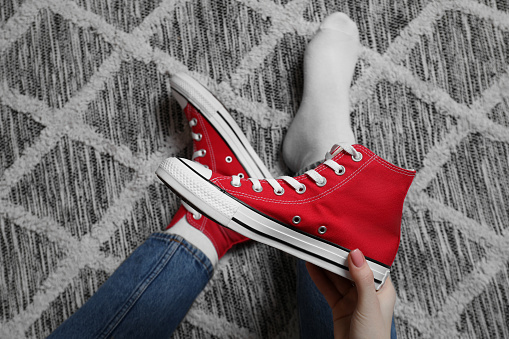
(323, 118)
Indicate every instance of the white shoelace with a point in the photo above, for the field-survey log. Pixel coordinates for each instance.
(199, 154)
(317, 177)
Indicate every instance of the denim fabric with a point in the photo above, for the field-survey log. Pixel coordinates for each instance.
(315, 315)
(147, 296)
(151, 292)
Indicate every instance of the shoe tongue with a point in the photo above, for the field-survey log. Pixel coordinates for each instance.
(335, 150)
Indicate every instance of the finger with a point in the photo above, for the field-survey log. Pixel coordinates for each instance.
(343, 285)
(364, 281)
(387, 298)
(324, 284)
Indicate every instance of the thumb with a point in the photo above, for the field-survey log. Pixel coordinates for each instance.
(364, 281)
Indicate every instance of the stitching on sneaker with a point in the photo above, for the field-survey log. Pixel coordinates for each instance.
(386, 163)
(398, 170)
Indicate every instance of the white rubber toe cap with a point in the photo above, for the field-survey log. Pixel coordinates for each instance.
(170, 165)
(199, 168)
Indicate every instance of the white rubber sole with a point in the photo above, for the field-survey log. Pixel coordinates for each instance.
(217, 115)
(225, 209)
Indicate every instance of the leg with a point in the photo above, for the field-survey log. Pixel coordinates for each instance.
(315, 315)
(323, 118)
(147, 296)
(152, 290)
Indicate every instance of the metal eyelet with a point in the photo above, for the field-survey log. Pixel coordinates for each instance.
(240, 184)
(197, 216)
(296, 219)
(228, 159)
(341, 170)
(203, 152)
(301, 189)
(193, 122)
(322, 229)
(322, 183)
(198, 137)
(241, 175)
(357, 159)
(279, 192)
(258, 189)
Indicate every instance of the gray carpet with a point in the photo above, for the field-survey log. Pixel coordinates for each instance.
(86, 115)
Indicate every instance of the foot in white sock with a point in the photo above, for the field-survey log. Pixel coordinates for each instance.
(323, 118)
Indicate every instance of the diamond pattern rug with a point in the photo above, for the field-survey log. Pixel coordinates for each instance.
(86, 115)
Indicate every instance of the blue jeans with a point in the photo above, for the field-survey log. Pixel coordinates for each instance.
(151, 292)
(147, 296)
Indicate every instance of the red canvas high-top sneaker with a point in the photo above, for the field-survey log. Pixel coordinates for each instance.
(354, 199)
(218, 144)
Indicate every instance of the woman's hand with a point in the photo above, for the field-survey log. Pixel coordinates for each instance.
(358, 311)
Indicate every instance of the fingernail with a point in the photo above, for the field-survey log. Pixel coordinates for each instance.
(357, 257)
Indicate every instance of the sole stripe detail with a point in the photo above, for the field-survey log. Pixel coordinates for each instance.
(295, 247)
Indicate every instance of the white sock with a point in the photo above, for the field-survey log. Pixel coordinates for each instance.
(196, 238)
(323, 118)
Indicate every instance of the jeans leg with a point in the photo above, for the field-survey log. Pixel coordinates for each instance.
(315, 315)
(393, 329)
(147, 296)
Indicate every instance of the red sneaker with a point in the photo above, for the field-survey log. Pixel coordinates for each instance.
(354, 199)
(218, 144)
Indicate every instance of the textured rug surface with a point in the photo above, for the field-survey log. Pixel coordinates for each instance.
(86, 115)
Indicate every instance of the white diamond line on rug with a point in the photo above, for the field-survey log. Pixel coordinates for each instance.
(89, 254)
(488, 128)
(216, 325)
(286, 19)
(470, 228)
(58, 123)
(42, 225)
(20, 22)
(469, 288)
(423, 24)
(86, 252)
(137, 47)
